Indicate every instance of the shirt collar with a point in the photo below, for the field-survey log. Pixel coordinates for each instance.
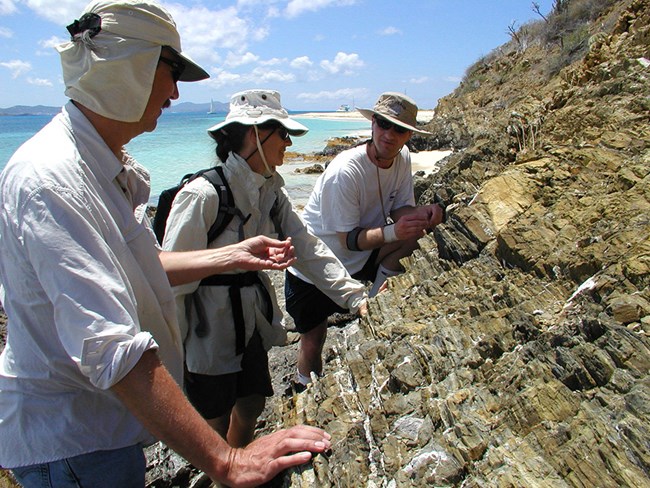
(101, 159)
(256, 180)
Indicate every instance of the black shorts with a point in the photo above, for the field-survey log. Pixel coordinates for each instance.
(214, 396)
(308, 306)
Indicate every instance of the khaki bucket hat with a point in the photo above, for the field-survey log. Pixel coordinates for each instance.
(396, 107)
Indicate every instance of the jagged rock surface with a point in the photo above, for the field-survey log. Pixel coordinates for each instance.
(514, 351)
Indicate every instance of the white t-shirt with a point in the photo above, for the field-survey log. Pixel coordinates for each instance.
(347, 196)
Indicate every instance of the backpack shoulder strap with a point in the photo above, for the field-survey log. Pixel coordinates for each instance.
(163, 208)
(275, 218)
(227, 209)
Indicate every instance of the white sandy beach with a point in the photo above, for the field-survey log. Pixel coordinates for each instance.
(423, 115)
(427, 161)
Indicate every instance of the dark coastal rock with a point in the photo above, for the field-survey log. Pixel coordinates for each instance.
(314, 169)
(337, 144)
(3, 328)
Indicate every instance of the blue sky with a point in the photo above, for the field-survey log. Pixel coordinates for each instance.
(318, 54)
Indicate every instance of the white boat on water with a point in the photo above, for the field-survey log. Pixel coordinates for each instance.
(211, 111)
(344, 108)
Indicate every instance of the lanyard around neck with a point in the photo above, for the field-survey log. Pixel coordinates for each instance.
(386, 217)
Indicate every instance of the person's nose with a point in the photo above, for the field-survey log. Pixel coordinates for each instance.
(175, 93)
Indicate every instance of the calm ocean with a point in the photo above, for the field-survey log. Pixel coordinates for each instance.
(181, 145)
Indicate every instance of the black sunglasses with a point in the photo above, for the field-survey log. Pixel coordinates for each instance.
(283, 132)
(177, 67)
(275, 128)
(387, 125)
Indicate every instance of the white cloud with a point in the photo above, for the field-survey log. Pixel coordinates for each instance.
(8, 7)
(298, 7)
(17, 67)
(273, 62)
(342, 63)
(204, 31)
(220, 77)
(389, 31)
(262, 76)
(258, 76)
(61, 11)
(251, 3)
(52, 42)
(39, 82)
(273, 13)
(419, 80)
(48, 45)
(238, 59)
(6, 33)
(303, 62)
(342, 94)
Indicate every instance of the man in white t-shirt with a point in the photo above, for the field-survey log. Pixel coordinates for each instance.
(363, 208)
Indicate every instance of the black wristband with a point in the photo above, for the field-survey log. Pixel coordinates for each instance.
(352, 239)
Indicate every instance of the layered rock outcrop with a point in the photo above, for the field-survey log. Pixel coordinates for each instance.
(515, 349)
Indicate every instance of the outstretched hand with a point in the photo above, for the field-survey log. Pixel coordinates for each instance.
(418, 221)
(267, 456)
(261, 252)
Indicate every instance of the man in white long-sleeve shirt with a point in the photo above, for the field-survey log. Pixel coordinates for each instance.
(93, 361)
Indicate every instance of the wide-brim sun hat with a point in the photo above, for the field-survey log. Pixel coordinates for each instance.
(256, 107)
(397, 108)
(110, 62)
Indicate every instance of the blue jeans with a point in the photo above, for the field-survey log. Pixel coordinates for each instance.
(101, 469)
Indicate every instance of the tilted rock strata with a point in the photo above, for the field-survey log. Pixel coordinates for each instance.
(514, 351)
(482, 375)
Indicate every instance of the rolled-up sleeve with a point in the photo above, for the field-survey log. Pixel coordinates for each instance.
(106, 359)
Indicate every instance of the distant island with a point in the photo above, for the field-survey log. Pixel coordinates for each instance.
(183, 107)
(27, 110)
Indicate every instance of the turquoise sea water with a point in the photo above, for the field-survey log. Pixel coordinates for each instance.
(181, 145)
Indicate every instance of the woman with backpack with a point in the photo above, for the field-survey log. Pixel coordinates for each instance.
(230, 321)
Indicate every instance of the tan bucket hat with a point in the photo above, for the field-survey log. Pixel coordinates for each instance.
(396, 107)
